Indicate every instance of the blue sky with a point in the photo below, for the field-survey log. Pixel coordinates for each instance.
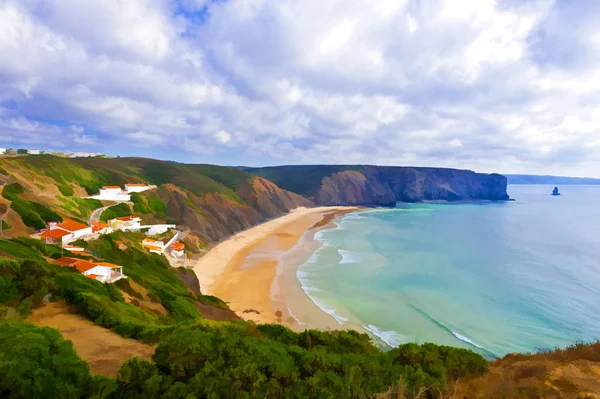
(496, 86)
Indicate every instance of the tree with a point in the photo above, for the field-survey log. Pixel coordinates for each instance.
(21, 151)
(38, 363)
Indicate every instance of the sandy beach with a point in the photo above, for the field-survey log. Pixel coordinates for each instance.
(254, 271)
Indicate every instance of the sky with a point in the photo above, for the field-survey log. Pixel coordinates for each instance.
(508, 86)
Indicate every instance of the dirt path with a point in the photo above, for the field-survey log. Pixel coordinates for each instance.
(104, 350)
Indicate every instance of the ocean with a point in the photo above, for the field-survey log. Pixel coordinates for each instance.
(495, 277)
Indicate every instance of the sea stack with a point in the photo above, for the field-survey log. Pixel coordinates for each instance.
(555, 191)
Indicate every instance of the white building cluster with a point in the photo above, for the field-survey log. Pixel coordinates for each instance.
(116, 193)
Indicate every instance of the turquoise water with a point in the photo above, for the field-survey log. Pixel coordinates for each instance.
(494, 277)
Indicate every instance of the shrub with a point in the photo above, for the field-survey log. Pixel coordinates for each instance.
(38, 363)
(116, 211)
(65, 190)
(12, 191)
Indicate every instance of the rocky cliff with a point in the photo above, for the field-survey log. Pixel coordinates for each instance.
(385, 185)
(215, 216)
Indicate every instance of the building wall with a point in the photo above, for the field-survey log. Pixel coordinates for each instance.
(82, 232)
(137, 189)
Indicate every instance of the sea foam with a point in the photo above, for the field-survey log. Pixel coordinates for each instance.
(466, 339)
(347, 257)
(392, 338)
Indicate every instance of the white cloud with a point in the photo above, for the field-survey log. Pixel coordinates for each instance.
(145, 139)
(223, 136)
(479, 84)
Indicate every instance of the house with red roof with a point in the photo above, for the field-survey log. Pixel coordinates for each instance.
(65, 232)
(156, 247)
(131, 222)
(100, 271)
(178, 249)
(100, 228)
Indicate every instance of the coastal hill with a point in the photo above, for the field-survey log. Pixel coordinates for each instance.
(554, 180)
(65, 335)
(383, 185)
(214, 202)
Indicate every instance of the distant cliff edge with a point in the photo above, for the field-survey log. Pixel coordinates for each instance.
(535, 179)
(383, 185)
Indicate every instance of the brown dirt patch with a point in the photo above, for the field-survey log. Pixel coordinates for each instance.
(104, 350)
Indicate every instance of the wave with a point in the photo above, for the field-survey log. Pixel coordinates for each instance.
(310, 289)
(348, 257)
(353, 216)
(466, 339)
(456, 335)
(392, 338)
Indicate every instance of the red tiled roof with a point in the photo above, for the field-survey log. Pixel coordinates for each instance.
(79, 264)
(71, 225)
(177, 246)
(106, 264)
(136, 185)
(111, 187)
(127, 218)
(64, 261)
(97, 226)
(55, 233)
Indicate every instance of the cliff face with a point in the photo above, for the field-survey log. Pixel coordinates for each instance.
(385, 185)
(216, 216)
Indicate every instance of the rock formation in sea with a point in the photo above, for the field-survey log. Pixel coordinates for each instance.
(555, 191)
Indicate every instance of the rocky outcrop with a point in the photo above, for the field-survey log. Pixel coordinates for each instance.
(216, 216)
(270, 200)
(386, 185)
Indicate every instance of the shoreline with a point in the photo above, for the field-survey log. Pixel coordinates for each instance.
(254, 271)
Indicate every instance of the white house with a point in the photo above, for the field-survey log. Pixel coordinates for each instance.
(100, 271)
(33, 152)
(178, 249)
(125, 223)
(137, 188)
(156, 247)
(65, 232)
(112, 193)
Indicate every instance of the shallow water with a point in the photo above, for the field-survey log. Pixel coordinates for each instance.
(494, 277)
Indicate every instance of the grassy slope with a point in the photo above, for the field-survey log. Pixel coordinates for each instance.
(53, 186)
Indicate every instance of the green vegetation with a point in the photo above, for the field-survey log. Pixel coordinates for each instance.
(150, 271)
(38, 363)
(12, 191)
(81, 207)
(33, 214)
(6, 225)
(21, 151)
(116, 211)
(149, 204)
(65, 190)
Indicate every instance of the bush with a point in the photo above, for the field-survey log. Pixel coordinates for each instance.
(38, 363)
(34, 214)
(65, 190)
(116, 211)
(12, 191)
